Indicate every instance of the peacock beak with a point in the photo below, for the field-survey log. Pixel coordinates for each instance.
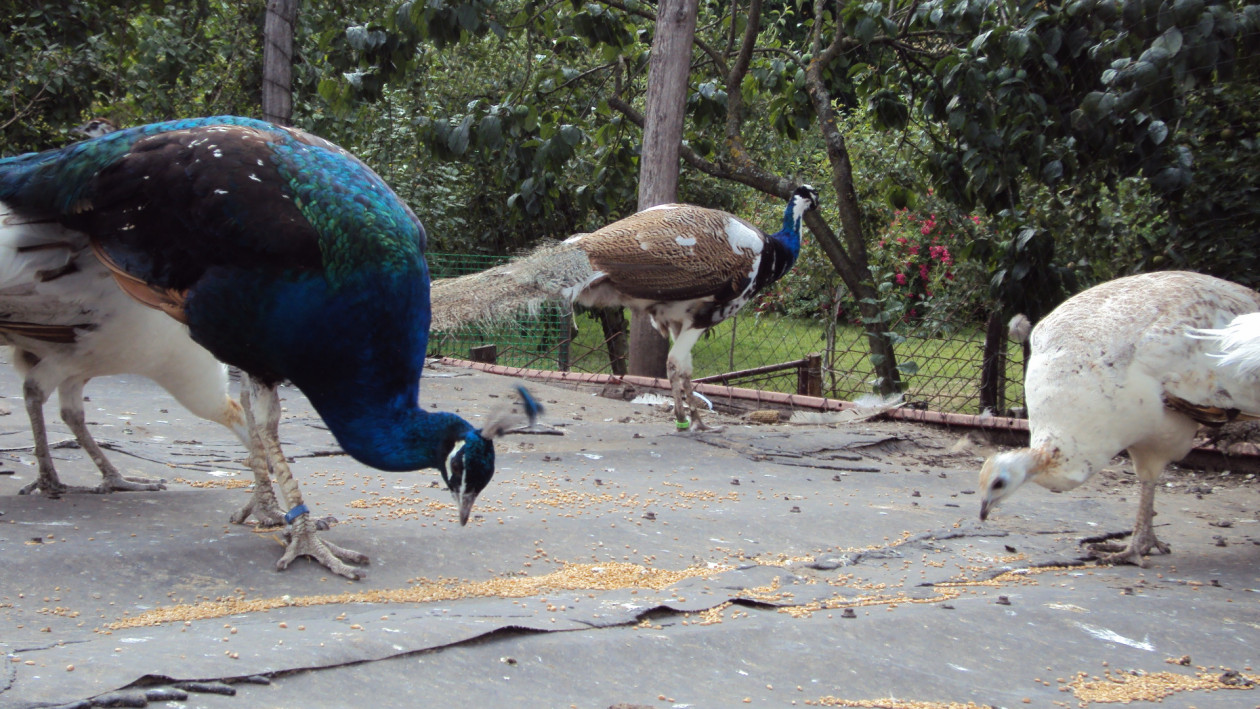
(465, 501)
(985, 505)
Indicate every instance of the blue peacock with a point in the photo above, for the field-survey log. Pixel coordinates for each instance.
(286, 257)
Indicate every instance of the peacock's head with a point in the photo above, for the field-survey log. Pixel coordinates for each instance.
(804, 199)
(1001, 475)
(469, 465)
(95, 128)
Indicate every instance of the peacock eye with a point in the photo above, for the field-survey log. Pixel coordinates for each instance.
(999, 484)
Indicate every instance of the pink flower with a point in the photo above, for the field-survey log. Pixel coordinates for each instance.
(901, 279)
(923, 271)
(901, 240)
(914, 250)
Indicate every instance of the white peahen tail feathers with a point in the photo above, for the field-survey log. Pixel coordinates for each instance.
(1237, 344)
(557, 272)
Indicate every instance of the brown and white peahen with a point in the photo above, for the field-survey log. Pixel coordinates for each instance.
(1113, 369)
(686, 267)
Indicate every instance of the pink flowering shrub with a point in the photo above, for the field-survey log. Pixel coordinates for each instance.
(913, 261)
(916, 264)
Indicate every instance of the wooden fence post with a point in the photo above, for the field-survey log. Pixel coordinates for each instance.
(809, 375)
(993, 366)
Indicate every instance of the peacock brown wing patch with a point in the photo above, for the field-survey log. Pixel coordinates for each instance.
(63, 334)
(676, 252)
(168, 300)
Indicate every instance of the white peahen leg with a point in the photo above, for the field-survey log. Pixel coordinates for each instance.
(678, 367)
(70, 397)
(1149, 462)
(47, 481)
(1143, 540)
(262, 414)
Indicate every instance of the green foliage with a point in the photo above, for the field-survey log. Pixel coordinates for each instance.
(1077, 96)
(1097, 137)
(133, 62)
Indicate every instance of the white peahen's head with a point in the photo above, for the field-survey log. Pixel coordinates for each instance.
(95, 128)
(1002, 475)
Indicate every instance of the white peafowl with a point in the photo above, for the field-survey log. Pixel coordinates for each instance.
(688, 268)
(95, 128)
(68, 321)
(1113, 369)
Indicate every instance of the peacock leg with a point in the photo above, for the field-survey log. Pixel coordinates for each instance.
(70, 396)
(1149, 461)
(262, 503)
(1143, 539)
(47, 482)
(694, 405)
(678, 367)
(262, 414)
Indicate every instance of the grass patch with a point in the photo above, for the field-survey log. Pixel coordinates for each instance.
(942, 370)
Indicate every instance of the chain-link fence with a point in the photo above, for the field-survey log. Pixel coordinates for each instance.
(541, 341)
(940, 355)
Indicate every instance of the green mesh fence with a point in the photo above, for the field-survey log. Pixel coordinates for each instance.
(540, 341)
(939, 358)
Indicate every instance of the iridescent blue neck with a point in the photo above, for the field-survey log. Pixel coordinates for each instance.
(790, 235)
(396, 437)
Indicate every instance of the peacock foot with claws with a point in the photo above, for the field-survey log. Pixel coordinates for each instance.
(303, 541)
(263, 506)
(51, 487)
(54, 488)
(1134, 553)
(123, 483)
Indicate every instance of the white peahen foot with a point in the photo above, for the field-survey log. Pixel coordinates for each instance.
(1143, 539)
(1133, 553)
(122, 483)
(303, 541)
(51, 486)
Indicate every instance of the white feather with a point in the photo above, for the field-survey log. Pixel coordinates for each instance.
(1235, 345)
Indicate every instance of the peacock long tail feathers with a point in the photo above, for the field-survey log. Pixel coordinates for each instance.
(553, 272)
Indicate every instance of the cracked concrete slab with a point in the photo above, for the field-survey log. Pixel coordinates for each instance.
(619, 563)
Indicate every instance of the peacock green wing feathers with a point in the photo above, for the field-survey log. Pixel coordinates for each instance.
(238, 192)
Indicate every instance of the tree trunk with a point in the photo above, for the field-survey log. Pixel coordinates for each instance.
(277, 86)
(854, 270)
(993, 366)
(662, 134)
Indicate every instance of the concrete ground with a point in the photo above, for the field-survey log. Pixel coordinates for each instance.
(620, 563)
